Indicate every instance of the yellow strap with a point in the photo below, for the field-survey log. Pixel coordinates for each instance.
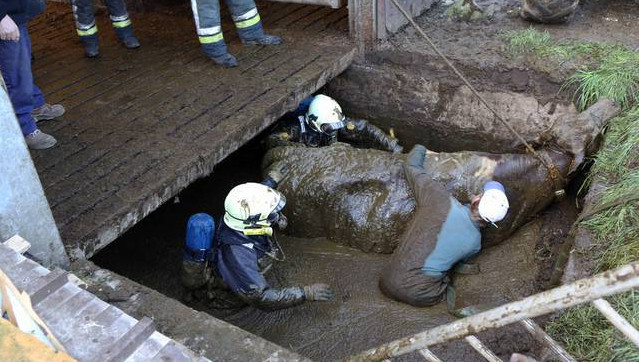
(92, 30)
(211, 38)
(121, 24)
(250, 22)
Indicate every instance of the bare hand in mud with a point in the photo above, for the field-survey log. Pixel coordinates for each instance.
(318, 292)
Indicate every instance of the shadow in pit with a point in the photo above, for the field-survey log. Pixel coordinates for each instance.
(360, 316)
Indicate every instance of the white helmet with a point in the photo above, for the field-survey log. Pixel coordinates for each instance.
(324, 114)
(493, 205)
(252, 206)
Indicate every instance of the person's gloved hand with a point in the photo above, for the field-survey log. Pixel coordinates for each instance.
(8, 29)
(318, 292)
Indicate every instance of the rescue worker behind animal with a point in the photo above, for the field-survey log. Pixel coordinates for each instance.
(209, 28)
(231, 267)
(318, 121)
(84, 14)
(441, 234)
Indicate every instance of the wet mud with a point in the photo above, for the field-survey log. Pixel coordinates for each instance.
(360, 316)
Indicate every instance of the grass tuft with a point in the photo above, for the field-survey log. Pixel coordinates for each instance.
(583, 330)
(611, 71)
(617, 78)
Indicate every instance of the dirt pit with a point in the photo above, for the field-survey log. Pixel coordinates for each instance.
(359, 316)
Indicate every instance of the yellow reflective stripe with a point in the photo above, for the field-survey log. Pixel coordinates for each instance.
(211, 38)
(249, 22)
(92, 30)
(121, 24)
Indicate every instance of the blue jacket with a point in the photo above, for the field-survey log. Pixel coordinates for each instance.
(236, 258)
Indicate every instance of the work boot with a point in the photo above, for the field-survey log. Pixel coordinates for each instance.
(131, 42)
(38, 140)
(226, 60)
(91, 48)
(264, 39)
(47, 112)
(125, 34)
(218, 52)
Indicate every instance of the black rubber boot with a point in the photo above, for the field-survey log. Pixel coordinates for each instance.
(226, 60)
(264, 39)
(125, 34)
(91, 48)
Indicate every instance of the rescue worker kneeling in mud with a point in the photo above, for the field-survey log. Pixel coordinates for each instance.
(441, 234)
(243, 248)
(318, 121)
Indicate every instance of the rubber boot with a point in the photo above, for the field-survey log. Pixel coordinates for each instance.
(125, 34)
(254, 35)
(90, 43)
(217, 51)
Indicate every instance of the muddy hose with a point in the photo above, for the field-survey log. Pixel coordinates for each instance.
(387, 142)
(553, 172)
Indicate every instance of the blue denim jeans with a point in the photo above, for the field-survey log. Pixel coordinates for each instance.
(208, 26)
(15, 64)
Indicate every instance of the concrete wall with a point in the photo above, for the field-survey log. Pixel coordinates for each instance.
(390, 20)
(24, 209)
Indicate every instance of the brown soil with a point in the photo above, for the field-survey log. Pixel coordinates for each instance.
(480, 42)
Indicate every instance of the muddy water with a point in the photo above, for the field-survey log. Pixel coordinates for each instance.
(360, 316)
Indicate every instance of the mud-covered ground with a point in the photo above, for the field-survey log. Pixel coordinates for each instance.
(480, 42)
(359, 316)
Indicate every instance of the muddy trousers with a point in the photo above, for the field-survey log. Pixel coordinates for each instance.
(84, 14)
(15, 65)
(208, 24)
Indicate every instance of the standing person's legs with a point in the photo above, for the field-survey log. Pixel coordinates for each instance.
(122, 23)
(15, 64)
(248, 23)
(206, 14)
(41, 110)
(84, 15)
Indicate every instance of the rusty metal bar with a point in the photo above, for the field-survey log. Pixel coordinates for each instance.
(547, 340)
(483, 350)
(429, 355)
(617, 320)
(582, 291)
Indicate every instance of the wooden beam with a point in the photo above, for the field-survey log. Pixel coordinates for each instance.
(617, 320)
(335, 4)
(604, 284)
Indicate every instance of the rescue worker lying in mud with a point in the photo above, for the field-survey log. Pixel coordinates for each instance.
(441, 234)
(242, 250)
(318, 121)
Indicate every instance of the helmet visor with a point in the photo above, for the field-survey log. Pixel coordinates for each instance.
(331, 127)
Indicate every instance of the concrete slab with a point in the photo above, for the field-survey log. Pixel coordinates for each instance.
(142, 125)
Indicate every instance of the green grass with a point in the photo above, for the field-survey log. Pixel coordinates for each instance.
(608, 71)
(616, 77)
(582, 330)
(601, 70)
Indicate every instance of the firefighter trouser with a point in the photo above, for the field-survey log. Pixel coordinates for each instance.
(207, 22)
(84, 14)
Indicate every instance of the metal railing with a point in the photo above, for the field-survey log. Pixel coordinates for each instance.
(591, 289)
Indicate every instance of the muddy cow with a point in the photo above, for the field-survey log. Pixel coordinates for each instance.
(360, 197)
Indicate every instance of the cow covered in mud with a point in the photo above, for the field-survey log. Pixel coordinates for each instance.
(360, 197)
